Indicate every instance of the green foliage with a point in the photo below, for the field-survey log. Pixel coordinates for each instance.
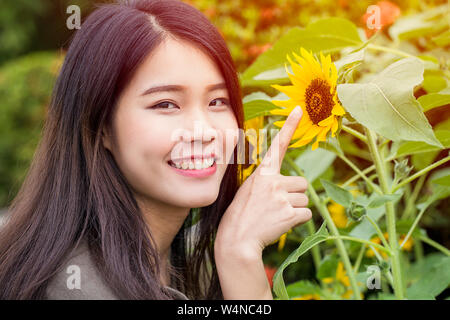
(386, 104)
(326, 35)
(338, 194)
(25, 88)
(428, 277)
(309, 242)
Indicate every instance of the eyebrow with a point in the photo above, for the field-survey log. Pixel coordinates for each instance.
(177, 88)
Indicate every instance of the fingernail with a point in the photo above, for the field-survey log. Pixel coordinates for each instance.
(297, 109)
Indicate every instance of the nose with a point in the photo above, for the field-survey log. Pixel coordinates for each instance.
(199, 127)
(198, 135)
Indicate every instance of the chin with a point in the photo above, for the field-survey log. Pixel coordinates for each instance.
(202, 201)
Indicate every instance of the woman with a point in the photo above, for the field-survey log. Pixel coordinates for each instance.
(106, 208)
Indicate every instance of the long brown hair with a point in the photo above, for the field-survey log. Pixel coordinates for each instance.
(74, 189)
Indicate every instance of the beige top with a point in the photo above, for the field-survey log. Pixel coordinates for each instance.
(79, 279)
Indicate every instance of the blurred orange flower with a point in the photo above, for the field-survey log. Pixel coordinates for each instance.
(389, 12)
(270, 272)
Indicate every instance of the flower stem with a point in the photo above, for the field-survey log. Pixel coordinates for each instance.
(357, 176)
(360, 173)
(379, 247)
(359, 258)
(420, 173)
(390, 214)
(354, 133)
(410, 208)
(378, 230)
(365, 171)
(390, 50)
(416, 221)
(315, 251)
(435, 245)
(332, 227)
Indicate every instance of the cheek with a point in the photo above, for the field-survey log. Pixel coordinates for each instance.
(142, 145)
(229, 132)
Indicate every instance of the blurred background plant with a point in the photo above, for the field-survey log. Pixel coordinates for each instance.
(34, 36)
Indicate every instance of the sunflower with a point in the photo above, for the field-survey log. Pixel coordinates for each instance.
(256, 141)
(314, 89)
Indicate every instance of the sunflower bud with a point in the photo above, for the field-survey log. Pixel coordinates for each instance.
(384, 266)
(401, 169)
(355, 211)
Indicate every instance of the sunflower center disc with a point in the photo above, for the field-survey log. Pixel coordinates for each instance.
(319, 100)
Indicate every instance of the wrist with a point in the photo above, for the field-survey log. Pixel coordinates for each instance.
(244, 252)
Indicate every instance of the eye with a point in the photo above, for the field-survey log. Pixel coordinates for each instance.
(220, 102)
(164, 105)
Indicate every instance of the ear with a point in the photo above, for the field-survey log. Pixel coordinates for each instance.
(106, 139)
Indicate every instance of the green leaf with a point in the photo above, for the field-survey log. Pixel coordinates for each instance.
(258, 104)
(433, 83)
(386, 104)
(314, 163)
(434, 100)
(327, 35)
(338, 194)
(381, 200)
(328, 267)
(415, 147)
(432, 282)
(422, 160)
(443, 39)
(302, 287)
(428, 22)
(365, 230)
(279, 287)
(347, 65)
(439, 190)
(444, 181)
(403, 227)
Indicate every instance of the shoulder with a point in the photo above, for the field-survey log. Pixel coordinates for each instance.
(79, 279)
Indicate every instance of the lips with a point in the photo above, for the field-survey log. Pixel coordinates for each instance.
(197, 171)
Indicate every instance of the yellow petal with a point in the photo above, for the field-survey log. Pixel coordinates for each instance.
(282, 241)
(280, 112)
(279, 124)
(290, 91)
(304, 125)
(326, 62)
(290, 104)
(312, 61)
(301, 75)
(338, 110)
(328, 280)
(326, 122)
(300, 143)
(307, 66)
(333, 76)
(320, 137)
(309, 135)
(334, 128)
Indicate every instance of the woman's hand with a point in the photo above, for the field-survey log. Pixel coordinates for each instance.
(267, 205)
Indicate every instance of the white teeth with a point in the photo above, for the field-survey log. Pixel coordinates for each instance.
(198, 164)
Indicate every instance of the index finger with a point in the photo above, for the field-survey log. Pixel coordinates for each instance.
(271, 163)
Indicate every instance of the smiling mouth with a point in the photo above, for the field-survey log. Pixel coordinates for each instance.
(196, 164)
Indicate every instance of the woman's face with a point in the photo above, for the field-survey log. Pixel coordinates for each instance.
(176, 106)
